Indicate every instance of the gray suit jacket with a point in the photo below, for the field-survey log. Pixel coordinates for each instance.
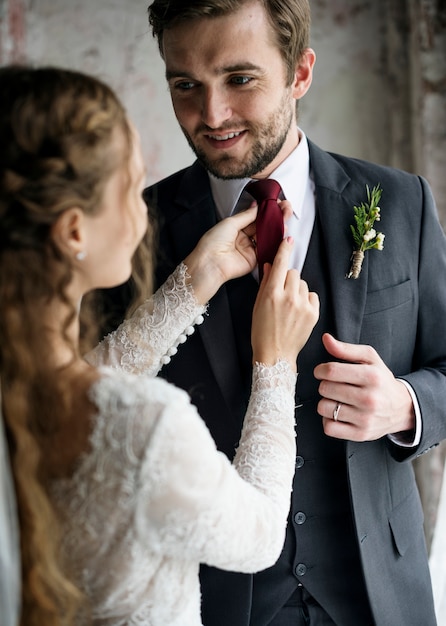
(397, 305)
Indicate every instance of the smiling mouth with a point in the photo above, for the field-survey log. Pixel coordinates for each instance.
(225, 137)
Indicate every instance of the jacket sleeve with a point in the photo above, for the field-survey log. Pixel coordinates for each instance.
(428, 378)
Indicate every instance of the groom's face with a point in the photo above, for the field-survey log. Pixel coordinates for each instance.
(227, 81)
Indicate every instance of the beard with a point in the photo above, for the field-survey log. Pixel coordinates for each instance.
(268, 141)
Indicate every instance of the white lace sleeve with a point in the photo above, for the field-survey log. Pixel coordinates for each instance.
(152, 497)
(271, 402)
(197, 505)
(147, 340)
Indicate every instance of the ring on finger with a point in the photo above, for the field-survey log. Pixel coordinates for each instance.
(336, 411)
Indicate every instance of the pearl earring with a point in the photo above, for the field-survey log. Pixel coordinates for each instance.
(81, 255)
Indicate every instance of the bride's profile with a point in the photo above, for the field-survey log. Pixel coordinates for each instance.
(119, 487)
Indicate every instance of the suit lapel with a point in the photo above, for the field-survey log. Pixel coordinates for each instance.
(336, 194)
(195, 212)
(197, 216)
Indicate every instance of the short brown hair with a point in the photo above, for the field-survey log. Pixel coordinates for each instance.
(289, 19)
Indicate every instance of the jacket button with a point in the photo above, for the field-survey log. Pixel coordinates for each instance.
(301, 569)
(300, 518)
(299, 462)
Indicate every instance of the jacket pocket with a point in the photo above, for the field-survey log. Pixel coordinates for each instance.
(402, 520)
(388, 298)
(390, 324)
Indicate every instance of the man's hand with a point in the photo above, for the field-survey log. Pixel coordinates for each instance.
(373, 403)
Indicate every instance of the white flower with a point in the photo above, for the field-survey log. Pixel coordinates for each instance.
(379, 245)
(370, 234)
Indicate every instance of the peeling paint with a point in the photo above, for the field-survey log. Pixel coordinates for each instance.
(16, 30)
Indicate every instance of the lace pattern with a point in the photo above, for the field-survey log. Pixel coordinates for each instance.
(272, 401)
(219, 530)
(147, 340)
(153, 497)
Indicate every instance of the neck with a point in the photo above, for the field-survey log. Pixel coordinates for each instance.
(291, 142)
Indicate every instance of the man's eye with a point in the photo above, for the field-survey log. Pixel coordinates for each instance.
(241, 80)
(184, 85)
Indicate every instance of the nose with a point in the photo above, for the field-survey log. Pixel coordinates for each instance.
(216, 108)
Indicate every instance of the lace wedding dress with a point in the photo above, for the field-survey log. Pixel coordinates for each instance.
(153, 497)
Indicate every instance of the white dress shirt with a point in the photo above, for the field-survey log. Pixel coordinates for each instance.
(295, 178)
(293, 175)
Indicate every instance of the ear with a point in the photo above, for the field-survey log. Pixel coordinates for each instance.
(68, 232)
(303, 75)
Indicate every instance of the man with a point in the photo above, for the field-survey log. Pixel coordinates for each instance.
(372, 386)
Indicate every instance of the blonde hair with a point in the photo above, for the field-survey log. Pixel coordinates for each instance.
(56, 130)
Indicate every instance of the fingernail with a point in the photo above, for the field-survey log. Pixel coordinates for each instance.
(290, 239)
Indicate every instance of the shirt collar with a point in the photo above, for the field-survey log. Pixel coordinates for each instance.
(292, 175)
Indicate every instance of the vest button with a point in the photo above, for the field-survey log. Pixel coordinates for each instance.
(299, 462)
(300, 518)
(301, 569)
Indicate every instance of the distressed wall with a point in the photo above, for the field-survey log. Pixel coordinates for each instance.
(378, 90)
(110, 39)
(343, 111)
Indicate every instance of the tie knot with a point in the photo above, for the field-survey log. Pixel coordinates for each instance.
(265, 189)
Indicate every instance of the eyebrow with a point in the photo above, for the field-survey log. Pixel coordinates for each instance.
(227, 69)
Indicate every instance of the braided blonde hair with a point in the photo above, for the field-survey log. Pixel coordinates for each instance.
(56, 129)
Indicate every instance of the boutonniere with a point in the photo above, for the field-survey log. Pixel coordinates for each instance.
(365, 236)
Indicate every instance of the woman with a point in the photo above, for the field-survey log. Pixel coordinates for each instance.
(115, 511)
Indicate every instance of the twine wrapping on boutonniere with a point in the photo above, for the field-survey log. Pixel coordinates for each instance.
(365, 236)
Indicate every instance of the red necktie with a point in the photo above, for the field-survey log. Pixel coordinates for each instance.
(269, 223)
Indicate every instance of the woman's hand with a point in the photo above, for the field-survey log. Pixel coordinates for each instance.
(285, 312)
(224, 252)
